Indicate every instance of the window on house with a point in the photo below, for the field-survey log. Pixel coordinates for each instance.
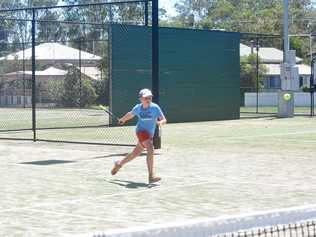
(275, 82)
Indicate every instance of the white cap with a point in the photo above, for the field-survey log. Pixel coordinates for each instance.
(145, 93)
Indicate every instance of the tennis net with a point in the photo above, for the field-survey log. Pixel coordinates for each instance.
(290, 222)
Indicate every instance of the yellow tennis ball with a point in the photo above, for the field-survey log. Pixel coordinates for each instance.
(287, 97)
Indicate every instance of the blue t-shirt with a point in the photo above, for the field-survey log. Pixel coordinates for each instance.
(147, 118)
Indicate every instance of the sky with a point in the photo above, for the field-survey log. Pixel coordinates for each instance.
(169, 6)
(166, 4)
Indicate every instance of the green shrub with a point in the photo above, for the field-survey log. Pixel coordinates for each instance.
(55, 91)
(305, 89)
(74, 94)
(88, 96)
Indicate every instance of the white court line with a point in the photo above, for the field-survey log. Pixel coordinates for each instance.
(68, 214)
(233, 182)
(105, 196)
(264, 135)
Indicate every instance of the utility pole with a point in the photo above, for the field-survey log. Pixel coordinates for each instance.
(289, 72)
(286, 30)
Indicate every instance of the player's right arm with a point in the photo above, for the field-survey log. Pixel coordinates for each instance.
(129, 115)
(126, 117)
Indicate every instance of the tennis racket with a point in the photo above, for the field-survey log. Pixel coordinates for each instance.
(113, 116)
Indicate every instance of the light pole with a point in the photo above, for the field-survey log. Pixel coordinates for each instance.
(286, 30)
(289, 73)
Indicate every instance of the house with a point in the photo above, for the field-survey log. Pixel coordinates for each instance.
(272, 58)
(272, 77)
(20, 93)
(53, 59)
(52, 53)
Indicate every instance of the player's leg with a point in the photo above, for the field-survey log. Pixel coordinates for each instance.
(148, 144)
(136, 152)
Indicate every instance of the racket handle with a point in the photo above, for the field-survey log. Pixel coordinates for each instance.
(157, 138)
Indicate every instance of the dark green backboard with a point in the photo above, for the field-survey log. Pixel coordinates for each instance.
(199, 72)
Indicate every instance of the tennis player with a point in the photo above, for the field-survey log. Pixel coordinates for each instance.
(149, 115)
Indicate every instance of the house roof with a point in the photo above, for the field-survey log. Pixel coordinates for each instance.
(92, 72)
(51, 71)
(275, 69)
(267, 55)
(52, 51)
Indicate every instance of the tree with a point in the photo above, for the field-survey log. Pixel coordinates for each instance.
(102, 85)
(55, 91)
(248, 72)
(76, 94)
(89, 95)
(243, 15)
(264, 16)
(71, 92)
(302, 47)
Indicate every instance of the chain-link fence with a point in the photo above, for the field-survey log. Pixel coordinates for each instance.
(261, 57)
(55, 71)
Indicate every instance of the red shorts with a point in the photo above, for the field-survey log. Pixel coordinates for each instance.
(143, 136)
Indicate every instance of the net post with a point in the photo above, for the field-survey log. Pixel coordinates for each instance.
(155, 63)
(33, 76)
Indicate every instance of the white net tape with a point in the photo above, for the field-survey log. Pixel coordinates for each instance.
(217, 226)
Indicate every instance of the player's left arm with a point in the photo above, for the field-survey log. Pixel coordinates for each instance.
(161, 121)
(161, 118)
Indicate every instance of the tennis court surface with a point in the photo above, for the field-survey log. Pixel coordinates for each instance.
(209, 170)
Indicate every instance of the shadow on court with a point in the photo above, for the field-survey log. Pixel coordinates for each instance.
(58, 162)
(119, 155)
(131, 184)
(110, 155)
(47, 162)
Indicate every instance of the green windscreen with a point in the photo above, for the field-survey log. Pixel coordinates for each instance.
(199, 72)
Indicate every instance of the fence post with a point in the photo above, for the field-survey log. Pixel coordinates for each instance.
(312, 88)
(155, 62)
(109, 74)
(33, 76)
(257, 71)
(111, 14)
(146, 13)
(23, 68)
(80, 74)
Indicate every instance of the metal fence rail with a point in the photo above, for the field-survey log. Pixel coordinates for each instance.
(55, 70)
